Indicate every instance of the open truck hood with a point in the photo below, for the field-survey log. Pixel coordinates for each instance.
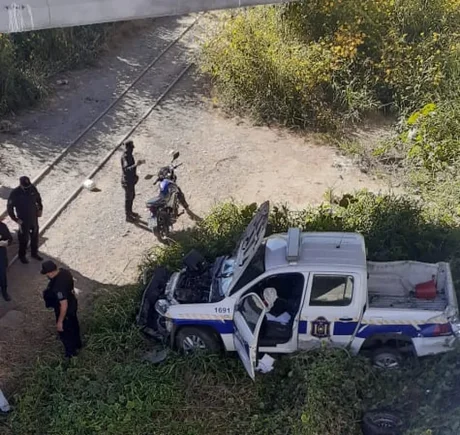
(249, 243)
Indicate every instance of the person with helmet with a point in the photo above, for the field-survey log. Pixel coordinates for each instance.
(166, 180)
(25, 207)
(129, 179)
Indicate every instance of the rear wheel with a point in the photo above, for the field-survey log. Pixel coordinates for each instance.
(162, 229)
(192, 339)
(381, 423)
(387, 358)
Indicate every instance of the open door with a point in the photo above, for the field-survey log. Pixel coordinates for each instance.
(247, 319)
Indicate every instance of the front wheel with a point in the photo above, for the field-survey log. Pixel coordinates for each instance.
(192, 339)
(381, 423)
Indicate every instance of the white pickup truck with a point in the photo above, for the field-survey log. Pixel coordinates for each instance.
(293, 291)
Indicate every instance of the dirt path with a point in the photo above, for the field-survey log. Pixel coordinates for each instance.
(223, 159)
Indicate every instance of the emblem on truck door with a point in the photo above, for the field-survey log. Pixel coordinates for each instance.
(321, 328)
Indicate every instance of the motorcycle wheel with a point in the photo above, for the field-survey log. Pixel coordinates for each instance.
(163, 227)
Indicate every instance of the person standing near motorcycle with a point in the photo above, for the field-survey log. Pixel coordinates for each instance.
(25, 207)
(129, 179)
(5, 240)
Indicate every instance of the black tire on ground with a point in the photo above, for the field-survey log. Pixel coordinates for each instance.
(158, 234)
(163, 224)
(191, 338)
(381, 423)
(386, 358)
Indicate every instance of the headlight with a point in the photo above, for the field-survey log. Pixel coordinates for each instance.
(455, 323)
(161, 307)
(454, 319)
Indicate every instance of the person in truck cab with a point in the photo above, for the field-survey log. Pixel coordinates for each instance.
(278, 308)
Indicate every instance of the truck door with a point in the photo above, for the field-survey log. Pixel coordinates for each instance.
(332, 309)
(248, 316)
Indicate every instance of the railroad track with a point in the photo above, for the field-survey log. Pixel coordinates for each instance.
(88, 153)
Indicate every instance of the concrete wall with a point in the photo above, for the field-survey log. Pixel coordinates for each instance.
(24, 15)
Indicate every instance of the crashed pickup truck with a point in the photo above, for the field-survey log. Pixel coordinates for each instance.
(294, 291)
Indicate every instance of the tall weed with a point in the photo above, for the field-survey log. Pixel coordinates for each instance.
(320, 64)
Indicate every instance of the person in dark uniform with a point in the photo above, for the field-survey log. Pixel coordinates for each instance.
(60, 295)
(129, 179)
(5, 240)
(25, 207)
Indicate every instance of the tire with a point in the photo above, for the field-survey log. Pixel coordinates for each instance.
(192, 339)
(387, 358)
(165, 224)
(381, 422)
(161, 230)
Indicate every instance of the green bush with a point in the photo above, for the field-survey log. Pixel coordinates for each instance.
(28, 59)
(395, 228)
(431, 136)
(319, 63)
(108, 389)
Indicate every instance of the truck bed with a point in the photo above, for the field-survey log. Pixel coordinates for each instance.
(392, 284)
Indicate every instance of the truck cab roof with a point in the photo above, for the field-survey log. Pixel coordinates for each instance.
(315, 249)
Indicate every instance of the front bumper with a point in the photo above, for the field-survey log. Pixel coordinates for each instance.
(148, 319)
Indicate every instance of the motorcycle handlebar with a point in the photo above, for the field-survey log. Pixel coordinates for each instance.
(173, 167)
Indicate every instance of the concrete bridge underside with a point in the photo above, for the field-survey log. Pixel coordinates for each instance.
(25, 15)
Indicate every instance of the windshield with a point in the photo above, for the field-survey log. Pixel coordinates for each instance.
(255, 268)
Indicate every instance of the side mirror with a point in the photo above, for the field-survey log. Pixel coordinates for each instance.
(176, 155)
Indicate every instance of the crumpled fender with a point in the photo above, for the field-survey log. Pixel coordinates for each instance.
(154, 289)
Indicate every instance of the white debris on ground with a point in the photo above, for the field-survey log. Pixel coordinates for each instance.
(266, 364)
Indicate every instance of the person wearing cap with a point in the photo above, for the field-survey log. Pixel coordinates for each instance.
(129, 179)
(60, 295)
(25, 207)
(5, 240)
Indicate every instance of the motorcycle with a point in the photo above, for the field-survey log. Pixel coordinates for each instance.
(164, 209)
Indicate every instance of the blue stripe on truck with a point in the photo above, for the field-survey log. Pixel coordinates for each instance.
(340, 328)
(221, 326)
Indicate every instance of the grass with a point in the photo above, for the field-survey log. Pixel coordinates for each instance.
(110, 390)
(29, 59)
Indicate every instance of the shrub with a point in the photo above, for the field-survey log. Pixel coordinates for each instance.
(431, 135)
(317, 63)
(28, 59)
(395, 228)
